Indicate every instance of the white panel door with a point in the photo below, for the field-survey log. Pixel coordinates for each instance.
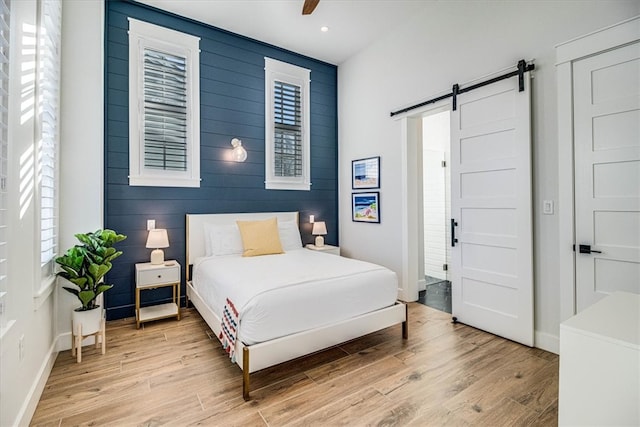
(492, 277)
(607, 167)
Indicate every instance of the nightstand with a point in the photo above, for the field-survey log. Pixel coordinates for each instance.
(328, 249)
(152, 276)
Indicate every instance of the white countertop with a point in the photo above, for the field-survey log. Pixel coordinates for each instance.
(615, 318)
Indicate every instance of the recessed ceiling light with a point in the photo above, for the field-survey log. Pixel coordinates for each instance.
(324, 29)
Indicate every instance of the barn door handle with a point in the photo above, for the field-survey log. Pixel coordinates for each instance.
(586, 249)
(454, 224)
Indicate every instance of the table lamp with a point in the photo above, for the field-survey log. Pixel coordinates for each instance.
(157, 239)
(319, 230)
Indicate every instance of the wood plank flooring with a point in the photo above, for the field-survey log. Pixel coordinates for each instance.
(175, 373)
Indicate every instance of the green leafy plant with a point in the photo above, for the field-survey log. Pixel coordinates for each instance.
(86, 264)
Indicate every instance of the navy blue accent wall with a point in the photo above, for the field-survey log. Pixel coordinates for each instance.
(231, 105)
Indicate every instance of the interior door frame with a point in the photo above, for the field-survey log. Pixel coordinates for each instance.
(411, 141)
(567, 53)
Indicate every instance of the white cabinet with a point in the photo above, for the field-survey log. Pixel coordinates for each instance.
(600, 364)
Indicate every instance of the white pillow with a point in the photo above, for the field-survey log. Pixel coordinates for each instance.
(222, 240)
(289, 235)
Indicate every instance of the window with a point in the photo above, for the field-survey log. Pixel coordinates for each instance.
(4, 145)
(287, 147)
(164, 107)
(48, 94)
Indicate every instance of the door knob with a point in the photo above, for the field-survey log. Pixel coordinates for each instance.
(586, 249)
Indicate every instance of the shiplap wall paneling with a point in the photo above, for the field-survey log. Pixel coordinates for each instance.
(231, 106)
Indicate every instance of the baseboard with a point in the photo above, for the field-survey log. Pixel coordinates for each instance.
(422, 285)
(546, 341)
(35, 392)
(122, 312)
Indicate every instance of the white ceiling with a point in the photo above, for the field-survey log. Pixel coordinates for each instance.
(353, 24)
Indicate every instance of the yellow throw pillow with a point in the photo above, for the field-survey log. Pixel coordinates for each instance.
(260, 237)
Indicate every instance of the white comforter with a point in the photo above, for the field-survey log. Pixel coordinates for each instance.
(278, 295)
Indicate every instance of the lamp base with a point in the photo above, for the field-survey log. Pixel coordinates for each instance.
(157, 256)
(319, 241)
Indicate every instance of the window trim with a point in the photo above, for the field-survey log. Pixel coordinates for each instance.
(145, 35)
(295, 75)
(5, 43)
(48, 82)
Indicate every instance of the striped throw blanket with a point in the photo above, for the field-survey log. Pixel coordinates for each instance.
(229, 329)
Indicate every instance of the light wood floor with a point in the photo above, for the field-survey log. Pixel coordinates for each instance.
(172, 373)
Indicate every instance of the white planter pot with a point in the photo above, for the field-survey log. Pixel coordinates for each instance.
(91, 321)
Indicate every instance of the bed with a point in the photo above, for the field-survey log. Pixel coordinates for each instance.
(321, 292)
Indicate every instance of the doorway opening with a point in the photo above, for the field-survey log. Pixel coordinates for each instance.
(435, 284)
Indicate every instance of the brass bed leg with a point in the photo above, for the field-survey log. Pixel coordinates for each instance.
(186, 293)
(405, 324)
(246, 387)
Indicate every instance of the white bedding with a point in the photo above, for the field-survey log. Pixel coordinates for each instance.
(278, 295)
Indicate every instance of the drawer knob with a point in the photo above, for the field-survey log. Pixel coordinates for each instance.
(159, 276)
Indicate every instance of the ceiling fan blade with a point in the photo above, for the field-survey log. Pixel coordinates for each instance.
(309, 6)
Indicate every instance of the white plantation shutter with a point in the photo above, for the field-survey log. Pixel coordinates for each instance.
(164, 106)
(49, 102)
(287, 111)
(165, 111)
(287, 140)
(4, 144)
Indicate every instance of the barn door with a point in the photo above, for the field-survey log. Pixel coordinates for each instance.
(492, 277)
(607, 168)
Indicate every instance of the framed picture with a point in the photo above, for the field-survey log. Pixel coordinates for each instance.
(365, 173)
(365, 207)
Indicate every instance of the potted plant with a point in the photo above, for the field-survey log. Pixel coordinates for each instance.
(85, 266)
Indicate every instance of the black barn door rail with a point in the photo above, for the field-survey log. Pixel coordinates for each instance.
(523, 67)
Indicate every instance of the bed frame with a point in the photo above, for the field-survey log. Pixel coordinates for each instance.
(252, 358)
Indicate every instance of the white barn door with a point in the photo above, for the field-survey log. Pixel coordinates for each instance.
(492, 275)
(607, 168)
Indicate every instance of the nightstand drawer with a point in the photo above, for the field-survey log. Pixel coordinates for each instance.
(156, 276)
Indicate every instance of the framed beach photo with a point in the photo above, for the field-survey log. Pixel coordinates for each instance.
(365, 173)
(365, 207)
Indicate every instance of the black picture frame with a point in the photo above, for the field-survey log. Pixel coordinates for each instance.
(365, 207)
(365, 173)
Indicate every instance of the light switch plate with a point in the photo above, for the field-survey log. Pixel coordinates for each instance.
(547, 207)
(151, 224)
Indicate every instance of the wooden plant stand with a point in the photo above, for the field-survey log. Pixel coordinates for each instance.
(76, 340)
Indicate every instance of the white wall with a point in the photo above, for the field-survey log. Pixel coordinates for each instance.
(82, 135)
(32, 326)
(41, 321)
(455, 42)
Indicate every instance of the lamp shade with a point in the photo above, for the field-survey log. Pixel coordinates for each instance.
(319, 228)
(158, 238)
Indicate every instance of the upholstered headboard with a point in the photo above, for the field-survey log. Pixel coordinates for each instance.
(195, 228)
